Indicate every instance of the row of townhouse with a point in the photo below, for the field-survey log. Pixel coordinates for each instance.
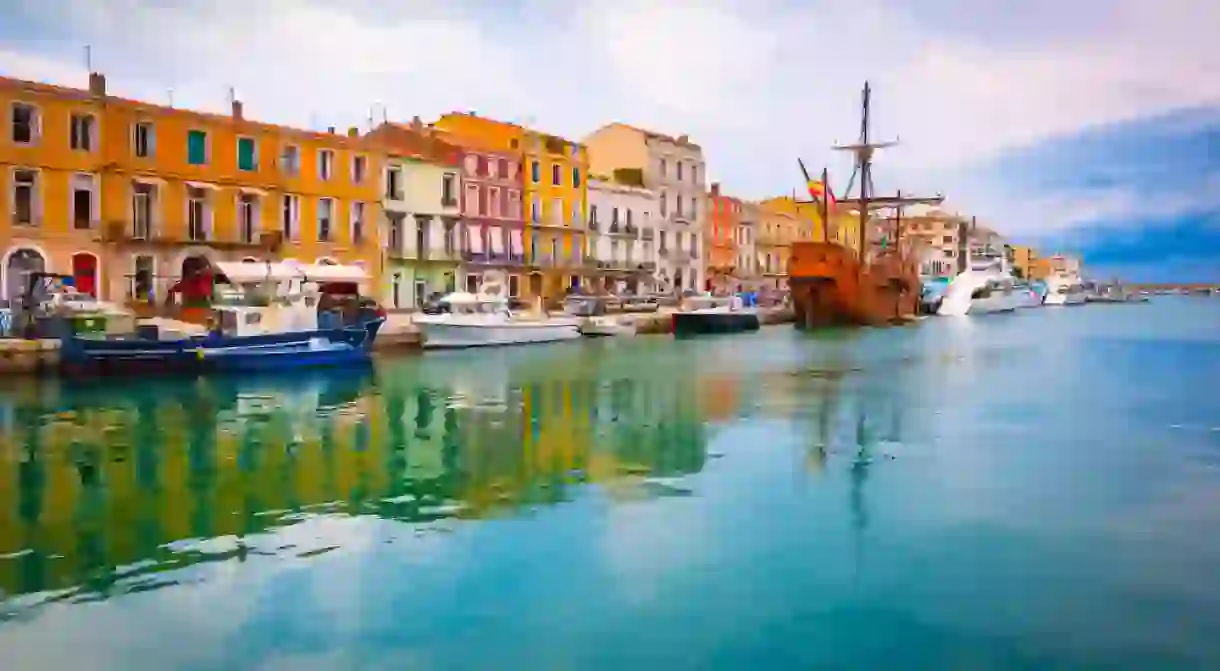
(130, 197)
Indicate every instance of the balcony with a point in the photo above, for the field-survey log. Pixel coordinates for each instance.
(648, 234)
(681, 218)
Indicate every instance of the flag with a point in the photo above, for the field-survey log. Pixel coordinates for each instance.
(819, 192)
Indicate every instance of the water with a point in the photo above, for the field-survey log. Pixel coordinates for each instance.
(1031, 491)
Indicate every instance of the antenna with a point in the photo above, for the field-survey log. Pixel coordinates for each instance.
(170, 93)
(232, 95)
(89, 58)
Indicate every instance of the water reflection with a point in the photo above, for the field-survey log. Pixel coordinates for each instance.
(102, 494)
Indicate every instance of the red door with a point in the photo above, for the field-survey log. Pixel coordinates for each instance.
(84, 273)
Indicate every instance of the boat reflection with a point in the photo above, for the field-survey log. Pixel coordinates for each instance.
(105, 494)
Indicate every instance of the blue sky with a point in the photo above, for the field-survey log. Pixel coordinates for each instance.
(1041, 117)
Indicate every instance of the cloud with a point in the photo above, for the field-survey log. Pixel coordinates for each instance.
(756, 83)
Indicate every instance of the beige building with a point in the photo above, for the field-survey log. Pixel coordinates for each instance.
(674, 169)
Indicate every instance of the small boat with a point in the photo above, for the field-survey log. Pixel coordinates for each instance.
(1064, 289)
(267, 310)
(606, 326)
(483, 320)
(714, 314)
(1027, 295)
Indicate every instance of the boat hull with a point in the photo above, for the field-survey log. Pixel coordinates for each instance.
(85, 357)
(1065, 299)
(696, 323)
(442, 335)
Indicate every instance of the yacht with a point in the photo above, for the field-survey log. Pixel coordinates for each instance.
(986, 286)
(714, 314)
(483, 320)
(1065, 289)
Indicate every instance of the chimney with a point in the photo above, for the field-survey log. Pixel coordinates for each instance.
(237, 110)
(683, 139)
(330, 130)
(353, 132)
(97, 83)
(416, 123)
(716, 189)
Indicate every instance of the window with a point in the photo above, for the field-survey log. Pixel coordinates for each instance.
(142, 139)
(422, 231)
(142, 198)
(948, 239)
(576, 220)
(83, 132)
(326, 163)
(196, 214)
(472, 204)
(694, 174)
(555, 175)
(142, 280)
(502, 169)
(662, 167)
(395, 234)
(557, 211)
(535, 171)
(629, 222)
(326, 216)
(678, 203)
(592, 215)
(247, 217)
(196, 147)
(514, 205)
(290, 217)
(576, 177)
(535, 209)
(554, 248)
(514, 286)
(393, 184)
(357, 223)
(25, 198)
(360, 169)
(679, 169)
(472, 284)
(449, 190)
(290, 160)
(25, 123)
(493, 196)
(82, 202)
(664, 202)
(246, 159)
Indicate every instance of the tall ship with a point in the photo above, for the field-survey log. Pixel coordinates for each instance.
(876, 284)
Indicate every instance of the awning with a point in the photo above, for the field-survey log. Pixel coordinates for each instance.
(148, 179)
(248, 272)
(253, 190)
(204, 185)
(334, 273)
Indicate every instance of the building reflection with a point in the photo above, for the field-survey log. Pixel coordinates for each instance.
(98, 488)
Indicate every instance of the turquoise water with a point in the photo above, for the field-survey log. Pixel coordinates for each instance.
(1029, 491)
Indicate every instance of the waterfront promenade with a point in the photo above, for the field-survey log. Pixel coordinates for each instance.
(961, 493)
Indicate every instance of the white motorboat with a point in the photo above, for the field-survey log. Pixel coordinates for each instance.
(483, 320)
(985, 287)
(606, 326)
(1065, 289)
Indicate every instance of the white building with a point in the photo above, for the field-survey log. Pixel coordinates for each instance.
(674, 169)
(623, 235)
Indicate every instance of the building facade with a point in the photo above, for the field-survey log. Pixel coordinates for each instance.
(130, 197)
(720, 238)
(674, 169)
(492, 188)
(777, 228)
(555, 197)
(747, 239)
(421, 231)
(1024, 260)
(623, 238)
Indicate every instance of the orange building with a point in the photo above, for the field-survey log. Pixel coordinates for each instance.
(129, 196)
(720, 237)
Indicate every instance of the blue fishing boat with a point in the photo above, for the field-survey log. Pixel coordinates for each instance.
(269, 315)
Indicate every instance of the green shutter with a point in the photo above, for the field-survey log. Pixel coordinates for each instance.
(196, 147)
(245, 154)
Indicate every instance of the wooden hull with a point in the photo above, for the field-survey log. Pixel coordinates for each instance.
(830, 287)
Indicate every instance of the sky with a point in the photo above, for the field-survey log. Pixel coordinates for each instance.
(1088, 127)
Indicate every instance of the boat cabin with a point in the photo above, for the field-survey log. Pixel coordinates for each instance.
(253, 299)
(463, 303)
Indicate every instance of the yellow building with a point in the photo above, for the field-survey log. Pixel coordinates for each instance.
(131, 196)
(555, 197)
(1025, 260)
(776, 229)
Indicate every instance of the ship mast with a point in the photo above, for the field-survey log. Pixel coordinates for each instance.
(867, 201)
